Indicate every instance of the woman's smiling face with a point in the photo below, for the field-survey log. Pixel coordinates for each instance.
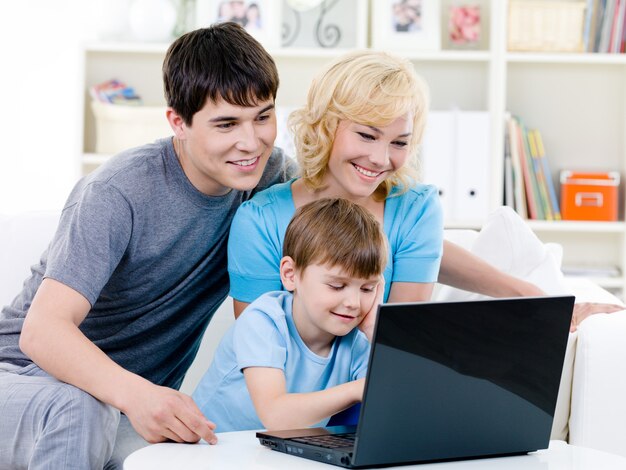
(363, 156)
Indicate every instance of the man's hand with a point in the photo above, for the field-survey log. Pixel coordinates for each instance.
(368, 322)
(160, 413)
(585, 309)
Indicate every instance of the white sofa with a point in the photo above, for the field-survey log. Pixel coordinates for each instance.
(591, 410)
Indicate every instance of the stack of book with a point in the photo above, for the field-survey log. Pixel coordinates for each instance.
(115, 92)
(604, 28)
(528, 184)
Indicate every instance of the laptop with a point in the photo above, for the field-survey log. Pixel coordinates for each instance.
(450, 381)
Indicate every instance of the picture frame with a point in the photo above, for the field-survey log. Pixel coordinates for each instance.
(327, 24)
(465, 24)
(261, 18)
(410, 25)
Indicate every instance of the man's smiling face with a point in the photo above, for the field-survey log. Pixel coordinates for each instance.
(226, 146)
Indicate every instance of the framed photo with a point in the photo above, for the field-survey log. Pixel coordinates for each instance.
(340, 24)
(259, 17)
(407, 24)
(465, 24)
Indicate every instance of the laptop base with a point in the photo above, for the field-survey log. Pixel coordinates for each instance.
(281, 441)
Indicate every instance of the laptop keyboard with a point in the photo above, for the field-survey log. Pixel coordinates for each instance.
(331, 441)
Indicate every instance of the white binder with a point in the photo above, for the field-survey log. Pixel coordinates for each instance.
(437, 157)
(472, 169)
(455, 158)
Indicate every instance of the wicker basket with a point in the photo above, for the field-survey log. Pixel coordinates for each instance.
(546, 26)
(119, 127)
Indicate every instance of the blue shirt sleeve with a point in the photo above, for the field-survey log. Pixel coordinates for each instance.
(255, 244)
(416, 236)
(258, 340)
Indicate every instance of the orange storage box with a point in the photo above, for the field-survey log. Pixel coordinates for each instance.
(589, 196)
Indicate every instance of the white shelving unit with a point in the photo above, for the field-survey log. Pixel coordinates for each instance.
(578, 101)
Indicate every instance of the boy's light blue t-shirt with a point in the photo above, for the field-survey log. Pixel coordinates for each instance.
(265, 336)
(413, 224)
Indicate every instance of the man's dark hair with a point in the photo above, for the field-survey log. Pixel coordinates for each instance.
(221, 61)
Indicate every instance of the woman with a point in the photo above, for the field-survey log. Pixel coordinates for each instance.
(357, 138)
(361, 126)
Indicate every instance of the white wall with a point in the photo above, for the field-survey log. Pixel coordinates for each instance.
(40, 93)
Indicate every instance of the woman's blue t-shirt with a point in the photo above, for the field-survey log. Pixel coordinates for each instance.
(413, 224)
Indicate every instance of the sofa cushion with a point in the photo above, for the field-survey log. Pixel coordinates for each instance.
(508, 243)
(23, 238)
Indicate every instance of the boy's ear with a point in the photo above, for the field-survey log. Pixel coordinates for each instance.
(288, 273)
(176, 123)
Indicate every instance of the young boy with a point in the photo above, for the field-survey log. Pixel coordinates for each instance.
(120, 300)
(295, 358)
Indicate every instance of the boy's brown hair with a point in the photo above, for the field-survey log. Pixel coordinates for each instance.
(221, 61)
(336, 232)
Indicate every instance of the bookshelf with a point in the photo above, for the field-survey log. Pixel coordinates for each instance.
(576, 100)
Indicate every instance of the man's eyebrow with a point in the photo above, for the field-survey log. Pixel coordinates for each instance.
(378, 131)
(267, 108)
(223, 118)
(234, 118)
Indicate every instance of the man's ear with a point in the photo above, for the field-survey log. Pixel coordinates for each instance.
(177, 123)
(288, 273)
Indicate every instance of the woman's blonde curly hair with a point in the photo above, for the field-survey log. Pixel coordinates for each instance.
(367, 87)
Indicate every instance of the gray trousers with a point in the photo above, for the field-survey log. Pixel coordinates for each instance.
(48, 424)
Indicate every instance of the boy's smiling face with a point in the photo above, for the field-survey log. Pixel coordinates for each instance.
(226, 146)
(328, 303)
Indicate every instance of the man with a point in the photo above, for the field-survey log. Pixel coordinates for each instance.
(120, 300)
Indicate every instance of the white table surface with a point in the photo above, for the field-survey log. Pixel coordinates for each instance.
(241, 450)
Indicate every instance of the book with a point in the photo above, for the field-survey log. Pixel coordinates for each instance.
(540, 178)
(607, 23)
(615, 27)
(587, 24)
(508, 172)
(597, 25)
(519, 196)
(530, 179)
(554, 200)
(622, 48)
(622, 36)
(526, 166)
(618, 33)
(593, 13)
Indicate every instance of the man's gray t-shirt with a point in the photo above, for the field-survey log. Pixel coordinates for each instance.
(148, 251)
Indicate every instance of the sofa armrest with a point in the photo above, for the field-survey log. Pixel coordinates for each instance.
(598, 407)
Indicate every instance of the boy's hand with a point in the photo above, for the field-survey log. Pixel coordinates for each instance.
(368, 322)
(160, 413)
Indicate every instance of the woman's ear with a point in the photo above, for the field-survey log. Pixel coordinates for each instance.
(288, 273)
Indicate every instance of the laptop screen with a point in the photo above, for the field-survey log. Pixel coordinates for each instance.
(451, 380)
